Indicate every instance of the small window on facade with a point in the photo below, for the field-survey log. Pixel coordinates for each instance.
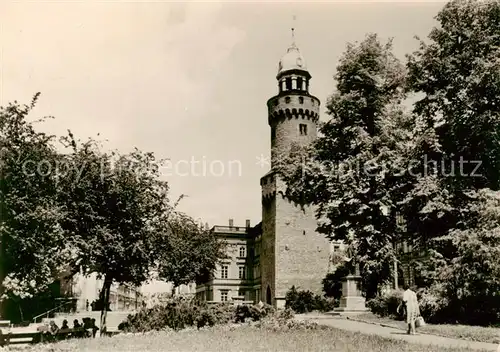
(242, 273)
(287, 100)
(223, 272)
(303, 129)
(243, 252)
(224, 295)
(336, 248)
(301, 100)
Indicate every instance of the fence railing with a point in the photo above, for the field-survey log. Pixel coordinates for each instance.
(47, 313)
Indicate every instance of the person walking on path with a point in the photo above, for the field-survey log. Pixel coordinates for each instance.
(412, 309)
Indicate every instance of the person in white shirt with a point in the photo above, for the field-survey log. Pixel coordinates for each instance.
(412, 309)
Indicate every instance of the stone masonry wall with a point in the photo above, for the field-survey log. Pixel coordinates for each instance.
(267, 255)
(302, 254)
(286, 114)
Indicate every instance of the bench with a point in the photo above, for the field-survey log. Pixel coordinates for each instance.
(21, 337)
(40, 336)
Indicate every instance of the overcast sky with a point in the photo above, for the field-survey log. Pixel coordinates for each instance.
(187, 81)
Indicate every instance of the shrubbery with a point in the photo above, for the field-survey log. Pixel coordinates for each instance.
(386, 305)
(332, 283)
(180, 313)
(306, 301)
(433, 308)
(283, 320)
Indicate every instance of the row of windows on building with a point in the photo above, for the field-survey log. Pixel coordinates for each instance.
(224, 294)
(242, 272)
(243, 251)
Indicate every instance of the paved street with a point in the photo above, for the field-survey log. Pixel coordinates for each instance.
(393, 333)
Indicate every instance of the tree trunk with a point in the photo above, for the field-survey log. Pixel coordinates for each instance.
(396, 274)
(173, 290)
(106, 288)
(21, 312)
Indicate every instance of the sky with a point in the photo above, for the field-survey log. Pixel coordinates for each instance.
(187, 81)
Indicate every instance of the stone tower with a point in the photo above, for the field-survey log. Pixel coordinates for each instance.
(292, 252)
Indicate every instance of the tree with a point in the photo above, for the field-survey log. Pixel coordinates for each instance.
(469, 282)
(32, 247)
(116, 207)
(458, 77)
(355, 173)
(187, 252)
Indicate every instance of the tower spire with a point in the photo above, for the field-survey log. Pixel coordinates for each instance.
(293, 30)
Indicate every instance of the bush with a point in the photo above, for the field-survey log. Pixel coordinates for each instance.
(283, 321)
(253, 313)
(386, 305)
(332, 283)
(432, 306)
(306, 301)
(180, 313)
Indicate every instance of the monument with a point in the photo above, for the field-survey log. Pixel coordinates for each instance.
(352, 299)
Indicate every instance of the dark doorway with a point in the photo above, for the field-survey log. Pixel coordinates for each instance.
(268, 295)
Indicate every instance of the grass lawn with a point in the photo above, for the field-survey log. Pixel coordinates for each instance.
(466, 332)
(241, 339)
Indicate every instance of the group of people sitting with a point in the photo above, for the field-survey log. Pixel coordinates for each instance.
(53, 332)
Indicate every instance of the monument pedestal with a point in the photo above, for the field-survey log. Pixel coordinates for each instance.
(280, 302)
(352, 299)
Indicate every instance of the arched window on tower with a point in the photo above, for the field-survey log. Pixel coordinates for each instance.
(283, 85)
(294, 83)
(299, 83)
(304, 85)
(289, 83)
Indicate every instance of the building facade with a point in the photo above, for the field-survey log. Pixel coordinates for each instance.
(237, 278)
(284, 250)
(84, 291)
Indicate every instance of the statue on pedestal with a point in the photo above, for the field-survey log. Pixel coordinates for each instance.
(352, 298)
(352, 259)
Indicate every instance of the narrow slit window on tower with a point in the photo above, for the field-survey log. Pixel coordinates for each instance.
(287, 100)
(294, 83)
(303, 129)
(299, 83)
(288, 83)
(301, 100)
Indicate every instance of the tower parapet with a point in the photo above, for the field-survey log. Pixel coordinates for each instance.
(292, 105)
